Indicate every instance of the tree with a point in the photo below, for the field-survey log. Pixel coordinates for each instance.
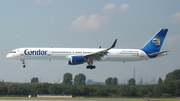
(109, 81)
(34, 80)
(80, 79)
(124, 91)
(170, 87)
(176, 74)
(132, 81)
(142, 91)
(67, 78)
(114, 81)
(172, 76)
(3, 90)
(160, 81)
(132, 91)
(159, 90)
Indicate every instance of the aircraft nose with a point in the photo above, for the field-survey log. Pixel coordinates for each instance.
(9, 56)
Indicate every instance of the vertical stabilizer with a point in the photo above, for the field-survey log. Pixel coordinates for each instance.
(155, 43)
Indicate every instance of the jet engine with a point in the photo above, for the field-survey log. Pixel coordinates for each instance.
(75, 60)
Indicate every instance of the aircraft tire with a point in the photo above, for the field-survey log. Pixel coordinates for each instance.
(87, 67)
(24, 66)
(91, 67)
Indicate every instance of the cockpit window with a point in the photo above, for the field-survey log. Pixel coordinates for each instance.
(13, 52)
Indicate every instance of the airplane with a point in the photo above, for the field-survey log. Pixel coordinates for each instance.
(76, 56)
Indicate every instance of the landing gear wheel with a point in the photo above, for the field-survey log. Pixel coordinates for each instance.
(23, 62)
(91, 67)
(24, 66)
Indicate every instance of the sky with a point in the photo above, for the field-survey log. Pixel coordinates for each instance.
(87, 24)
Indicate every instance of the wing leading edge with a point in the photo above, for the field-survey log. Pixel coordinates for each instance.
(97, 56)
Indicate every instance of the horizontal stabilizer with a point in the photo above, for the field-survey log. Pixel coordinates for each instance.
(157, 53)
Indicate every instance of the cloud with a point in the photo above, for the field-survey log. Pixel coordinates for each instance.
(93, 22)
(124, 7)
(96, 21)
(172, 39)
(43, 2)
(176, 17)
(109, 7)
(112, 6)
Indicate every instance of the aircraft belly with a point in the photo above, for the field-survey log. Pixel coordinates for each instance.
(44, 58)
(120, 59)
(124, 58)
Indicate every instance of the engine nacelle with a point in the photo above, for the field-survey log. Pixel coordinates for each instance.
(75, 60)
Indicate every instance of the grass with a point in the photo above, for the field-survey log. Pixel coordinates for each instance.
(91, 99)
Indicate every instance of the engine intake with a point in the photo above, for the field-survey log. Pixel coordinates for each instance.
(75, 60)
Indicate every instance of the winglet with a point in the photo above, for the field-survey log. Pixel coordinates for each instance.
(114, 44)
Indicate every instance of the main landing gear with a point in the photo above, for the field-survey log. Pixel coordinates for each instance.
(23, 62)
(90, 64)
(91, 67)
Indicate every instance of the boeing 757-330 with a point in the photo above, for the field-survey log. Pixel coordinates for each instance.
(76, 56)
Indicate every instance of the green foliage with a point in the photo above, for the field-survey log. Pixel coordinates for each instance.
(82, 90)
(124, 90)
(86, 90)
(131, 81)
(176, 74)
(34, 80)
(160, 81)
(114, 81)
(67, 78)
(111, 81)
(169, 88)
(3, 90)
(80, 79)
(172, 82)
(133, 90)
(159, 90)
(142, 91)
(173, 76)
(177, 93)
(108, 81)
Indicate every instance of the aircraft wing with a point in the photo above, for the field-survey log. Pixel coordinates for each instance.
(99, 54)
(157, 53)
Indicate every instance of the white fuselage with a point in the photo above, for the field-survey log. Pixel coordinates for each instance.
(76, 56)
(66, 53)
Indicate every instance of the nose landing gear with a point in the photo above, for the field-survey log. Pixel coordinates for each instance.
(23, 62)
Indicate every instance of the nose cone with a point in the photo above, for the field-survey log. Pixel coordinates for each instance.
(9, 56)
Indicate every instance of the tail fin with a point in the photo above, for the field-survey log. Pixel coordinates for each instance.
(155, 43)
